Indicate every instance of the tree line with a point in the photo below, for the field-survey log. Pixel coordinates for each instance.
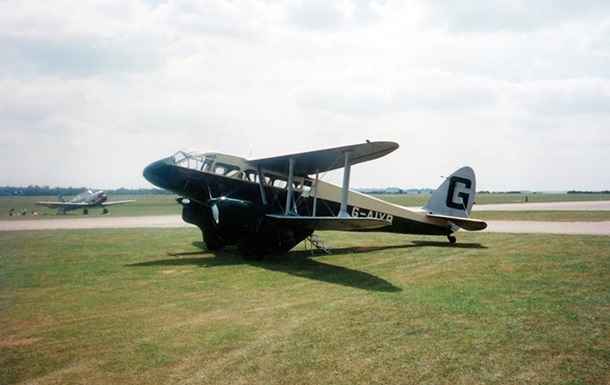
(52, 191)
(588, 192)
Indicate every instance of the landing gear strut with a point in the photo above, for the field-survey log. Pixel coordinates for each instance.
(451, 239)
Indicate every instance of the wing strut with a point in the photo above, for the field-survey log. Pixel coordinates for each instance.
(315, 196)
(290, 186)
(261, 185)
(344, 193)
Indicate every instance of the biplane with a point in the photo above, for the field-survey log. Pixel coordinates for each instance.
(85, 200)
(269, 205)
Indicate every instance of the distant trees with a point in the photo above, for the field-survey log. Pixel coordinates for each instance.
(53, 191)
(395, 191)
(68, 191)
(589, 192)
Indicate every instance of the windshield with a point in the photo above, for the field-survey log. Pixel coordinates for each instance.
(194, 160)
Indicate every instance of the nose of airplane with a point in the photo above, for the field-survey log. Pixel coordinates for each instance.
(159, 173)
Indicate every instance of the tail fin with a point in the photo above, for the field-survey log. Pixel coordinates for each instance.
(455, 197)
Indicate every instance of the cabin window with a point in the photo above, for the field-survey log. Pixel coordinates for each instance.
(278, 182)
(207, 165)
(225, 169)
(249, 175)
(306, 188)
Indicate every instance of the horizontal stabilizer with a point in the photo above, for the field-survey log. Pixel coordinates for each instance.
(329, 223)
(464, 223)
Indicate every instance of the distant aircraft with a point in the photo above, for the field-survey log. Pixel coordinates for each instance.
(269, 205)
(85, 200)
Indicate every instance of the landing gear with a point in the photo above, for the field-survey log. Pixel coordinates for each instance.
(85, 212)
(213, 242)
(451, 239)
(105, 211)
(255, 246)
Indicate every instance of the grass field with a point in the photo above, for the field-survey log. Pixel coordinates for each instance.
(149, 306)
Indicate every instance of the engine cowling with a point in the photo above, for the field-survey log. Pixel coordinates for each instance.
(233, 215)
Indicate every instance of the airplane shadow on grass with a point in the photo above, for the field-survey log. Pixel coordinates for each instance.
(300, 263)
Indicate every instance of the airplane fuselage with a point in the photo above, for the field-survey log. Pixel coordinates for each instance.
(83, 201)
(230, 200)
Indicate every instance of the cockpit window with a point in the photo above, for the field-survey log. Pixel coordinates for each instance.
(222, 165)
(193, 160)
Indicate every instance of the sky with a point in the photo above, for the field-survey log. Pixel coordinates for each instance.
(92, 91)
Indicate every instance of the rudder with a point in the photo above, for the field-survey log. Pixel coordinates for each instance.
(455, 196)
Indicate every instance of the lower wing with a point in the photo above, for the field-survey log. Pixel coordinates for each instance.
(328, 223)
(117, 202)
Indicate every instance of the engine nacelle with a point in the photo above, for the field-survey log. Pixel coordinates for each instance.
(233, 215)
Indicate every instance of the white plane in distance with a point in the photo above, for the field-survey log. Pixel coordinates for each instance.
(85, 200)
(269, 205)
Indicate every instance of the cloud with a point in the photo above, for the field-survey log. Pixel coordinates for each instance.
(108, 85)
(518, 16)
(77, 57)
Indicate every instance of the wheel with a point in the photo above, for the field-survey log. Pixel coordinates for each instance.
(251, 248)
(214, 243)
(105, 211)
(451, 239)
(85, 212)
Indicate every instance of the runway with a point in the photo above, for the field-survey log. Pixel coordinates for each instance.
(94, 222)
(548, 206)
(175, 221)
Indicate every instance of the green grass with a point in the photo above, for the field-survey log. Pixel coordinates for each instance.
(149, 306)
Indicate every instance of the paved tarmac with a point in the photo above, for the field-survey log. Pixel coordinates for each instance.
(175, 221)
(549, 206)
(93, 222)
(531, 227)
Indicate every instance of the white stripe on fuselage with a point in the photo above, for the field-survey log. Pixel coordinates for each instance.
(366, 206)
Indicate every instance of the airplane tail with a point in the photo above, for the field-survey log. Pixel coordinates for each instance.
(455, 196)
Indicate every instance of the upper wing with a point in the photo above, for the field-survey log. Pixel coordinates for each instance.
(308, 163)
(465, 223)
(117, 202)
(328, 223)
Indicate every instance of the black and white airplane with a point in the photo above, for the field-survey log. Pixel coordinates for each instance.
(269, 205)
(85, 200)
